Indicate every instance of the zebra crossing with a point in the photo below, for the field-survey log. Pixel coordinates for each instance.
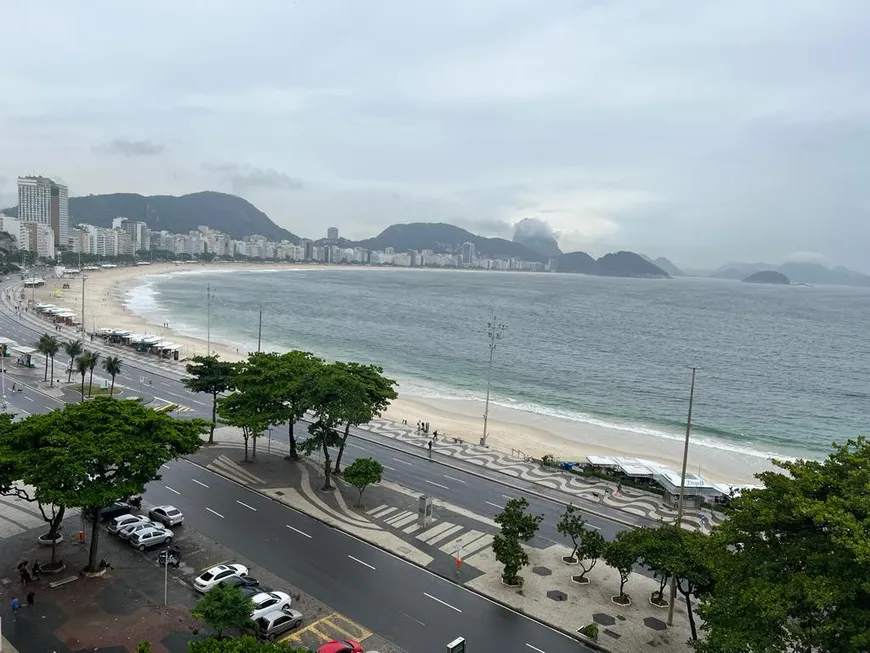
(226, 466)
(452, 539)
(18, 516)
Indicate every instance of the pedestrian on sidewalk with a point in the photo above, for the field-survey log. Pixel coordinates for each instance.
(30, 598)
(430, 449)
(15, 605)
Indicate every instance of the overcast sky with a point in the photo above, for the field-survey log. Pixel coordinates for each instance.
(703, 131)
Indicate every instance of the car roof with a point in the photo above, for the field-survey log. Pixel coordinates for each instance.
(262, 596)
(274, 614)
(165, 508)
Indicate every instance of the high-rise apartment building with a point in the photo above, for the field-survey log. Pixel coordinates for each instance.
(467, 253)
(332, 233)
(42, 201)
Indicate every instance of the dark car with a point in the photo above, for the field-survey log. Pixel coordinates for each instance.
(252, 590)
(114, 509)
(242, 582)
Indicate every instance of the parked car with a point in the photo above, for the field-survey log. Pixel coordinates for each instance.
(211, 577)
(119, 523)
(167, 515)
(151, 536)
(253, 590)
(266, 602)
(277, 622)
(245, 582)
(111, 511)
(131, 529)
(341, 646)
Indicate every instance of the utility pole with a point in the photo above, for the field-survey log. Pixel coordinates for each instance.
(84, 278)
(3, 377)
(495, 331)
(682, 492)
(260, 330)
(208, 329)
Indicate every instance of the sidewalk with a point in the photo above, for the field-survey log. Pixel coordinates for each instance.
(389, 520)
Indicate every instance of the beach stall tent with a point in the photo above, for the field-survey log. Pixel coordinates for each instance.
(167, 350)
(24, 355)
(602, 463)
(114, 336)
(639, 471)
(65, 316)
(6, 346)
(697, 489)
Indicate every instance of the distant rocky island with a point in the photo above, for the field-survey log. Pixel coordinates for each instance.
(768, 276)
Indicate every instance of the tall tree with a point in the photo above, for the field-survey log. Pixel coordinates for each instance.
(245, 410)
(791, 569)
(367, 394)
(296, 373)
(41, 347)
(112, 365)
(208, 374)
(73, 349)
(328, 390)
(224, 607)
(51, 347)
(590, 548)
(571, 525)
(362, 473)
(621, 554)
(89, 454)
(93, 359)
(83, 364)
(517, 526)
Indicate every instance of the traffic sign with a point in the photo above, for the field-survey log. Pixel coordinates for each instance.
(456, 646)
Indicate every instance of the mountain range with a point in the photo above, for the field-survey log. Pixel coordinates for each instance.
(797, 272)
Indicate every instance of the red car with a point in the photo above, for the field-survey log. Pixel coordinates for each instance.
(341, 646)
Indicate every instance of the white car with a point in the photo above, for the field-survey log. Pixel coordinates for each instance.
(166, 515)
(208, 579)
(266, 602)
(119, 523)
(131, 529)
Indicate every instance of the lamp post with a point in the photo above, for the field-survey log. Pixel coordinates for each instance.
(208, 318)
(495, 331)
(84, 278)
(260, 329)
(682, 492)
(3, 378)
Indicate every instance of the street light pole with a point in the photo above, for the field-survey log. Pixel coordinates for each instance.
(679, 520)
(3, 377)
(260, 329)
(208, 328)
(166, 578)
(495, 331)
(84, 278)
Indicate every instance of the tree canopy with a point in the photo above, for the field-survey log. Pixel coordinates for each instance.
(90, 454)
(224, 607)
(246, 644)
(792, 564)
(210, 375)
(362, 473)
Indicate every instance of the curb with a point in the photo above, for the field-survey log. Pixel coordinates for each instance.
(574, 636)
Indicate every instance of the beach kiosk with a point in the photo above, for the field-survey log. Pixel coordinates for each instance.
(697, 489)
(24, 355)
(6, 346)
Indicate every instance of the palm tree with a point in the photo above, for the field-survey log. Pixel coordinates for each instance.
(93, 359)
(41, 347)
(112, 365)
(52, 346)
(83, 364)
(73, 349)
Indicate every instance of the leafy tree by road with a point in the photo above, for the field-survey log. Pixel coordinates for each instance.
(224, 608)
(89, 454)
(83, 364)
(93, 359)
(296, 370)
(367, 394)
(362, 473)
(112, 366)
(246, 411)
(328, 391)
(590, 548)
(48, 346)
(73, 349)
(517, 526)
(571, 525)
(208, 374)
(513, 557)
(620, 553)
(246, 644)
(791, 569)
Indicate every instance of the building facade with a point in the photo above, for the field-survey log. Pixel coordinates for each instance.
(42, 201)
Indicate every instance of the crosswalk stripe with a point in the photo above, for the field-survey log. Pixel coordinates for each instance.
(435, 530)
(398, 516)
(379, 508)
(445, 534)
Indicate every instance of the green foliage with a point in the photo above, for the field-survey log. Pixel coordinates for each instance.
(48, 346)
(246, 644)
(590, 630)
(516, 523)
(571, 525)
(791, 568)
(510, 553)
(208, 374)
(93, 359)
(112, 365)
(90, 454)
(143, 647)
(621, 554)
(590, 547)
(224, 607)
(73, 349)
(247, 411)
(83, 364)
(362, 473)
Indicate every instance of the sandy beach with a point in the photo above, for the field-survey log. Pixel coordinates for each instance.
(510, 430)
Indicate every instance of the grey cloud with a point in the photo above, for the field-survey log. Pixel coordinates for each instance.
(536, 228)
(130, 148)
(245, 178)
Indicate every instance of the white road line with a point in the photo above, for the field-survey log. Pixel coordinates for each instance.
(364, 564)
(436, 484)
(165, 466)
(442, 602)
(298, 531)
(246, 505)
(215, 513)
(355, 446)
(535, 648)
(392, 469)
(458, 480)
(199, 482)
(404, 462)
(494, 505)
(597, 528)
(28, 398)
(171, 490)
(414, 620)
(507, 497)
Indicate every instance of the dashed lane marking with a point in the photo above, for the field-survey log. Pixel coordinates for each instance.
(535, 648)
(404, 462)
(436, 484)
(458, 480)
(215, 513)
(436, 599)
(246, 505)
(172, 490)
(199, 482)
(298, 531)
(494, 505)
(364, 564)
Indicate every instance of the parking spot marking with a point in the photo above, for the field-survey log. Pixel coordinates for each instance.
(326, 629)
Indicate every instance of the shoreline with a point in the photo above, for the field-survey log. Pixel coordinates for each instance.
(510, 430)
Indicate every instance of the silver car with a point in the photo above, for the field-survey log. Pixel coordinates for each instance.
(131, 529)
(275, 623)
(119, 523)
(166, 515)
(151, 536)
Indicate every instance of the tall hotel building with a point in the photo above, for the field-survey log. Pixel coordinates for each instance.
(42, 201)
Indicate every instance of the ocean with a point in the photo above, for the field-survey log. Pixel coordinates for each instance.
(782, 371)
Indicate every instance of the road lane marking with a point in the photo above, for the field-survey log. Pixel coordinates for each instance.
(436, 484)
(172, 490)
(507, 497)
(298, 531)
(414, 620)
(199, 482)
(404, 462)
(458, 480)
(597, 528)
(535, 648)
(364, 564)
(28, 398)
(355, 446)
(246, 505)
(494, 505)
(165, 466)
(392, 469)
(452, 607)
(215, 513)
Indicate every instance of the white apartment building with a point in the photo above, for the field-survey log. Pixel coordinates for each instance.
(17, 229)
(41, 238)
(42, 201)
